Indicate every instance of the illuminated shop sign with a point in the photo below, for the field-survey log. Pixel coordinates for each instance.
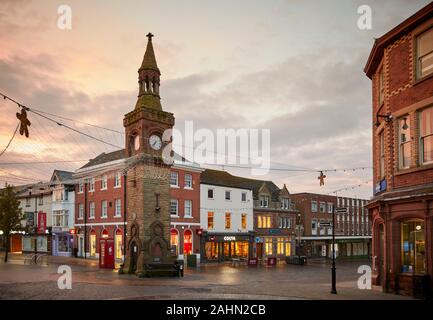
(229, 238)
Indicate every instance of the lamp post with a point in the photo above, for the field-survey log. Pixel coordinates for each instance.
(333, 269)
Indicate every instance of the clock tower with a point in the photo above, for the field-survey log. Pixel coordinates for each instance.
(147, 174)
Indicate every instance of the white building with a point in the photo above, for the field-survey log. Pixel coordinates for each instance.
(63, 206)
(226, 216)
(35, 203)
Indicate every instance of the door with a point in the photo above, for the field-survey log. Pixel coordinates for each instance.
(259, 250)
(134, 257)
(16, 243)
(81, 246)
(92, 245)
(381, 254)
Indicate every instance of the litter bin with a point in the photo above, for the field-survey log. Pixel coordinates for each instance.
(76, 252)
(191, 261)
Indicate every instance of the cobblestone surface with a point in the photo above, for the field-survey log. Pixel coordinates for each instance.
(20, 281)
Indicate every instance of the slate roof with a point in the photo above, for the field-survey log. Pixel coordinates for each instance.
(106, 157)
(63, 175)
(223, 178)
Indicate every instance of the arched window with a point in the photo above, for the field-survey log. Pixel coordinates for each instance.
(92, 243)
(174, 241)
(104, 234)
(187, 242)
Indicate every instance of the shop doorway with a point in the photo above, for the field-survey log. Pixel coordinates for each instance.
(93, 243)
(381, 253)
(119, 244)
(259, 250)
(81, 246)
(187, 242)
(16, 243)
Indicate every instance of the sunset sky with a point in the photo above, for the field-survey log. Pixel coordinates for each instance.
(294, 67)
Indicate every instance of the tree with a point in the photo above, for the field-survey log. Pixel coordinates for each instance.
(10, 215)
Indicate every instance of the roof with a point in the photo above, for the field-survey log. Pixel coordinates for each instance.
(376, 53)
(149, 60)
(105, 157)
(223, 178)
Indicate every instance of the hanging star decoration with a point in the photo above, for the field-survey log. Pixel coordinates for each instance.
(24, 122)
(322, 178)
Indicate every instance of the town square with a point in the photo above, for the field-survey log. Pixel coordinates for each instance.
(196, 150)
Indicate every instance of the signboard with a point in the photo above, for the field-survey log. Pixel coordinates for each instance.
(380, 186)
(274, 231)
(30, 219)
(325, 224)
(341, 210)
(42, 222)
(272, 261)
(229, 238)
(259, 240)
(252, 262)
(72, 231)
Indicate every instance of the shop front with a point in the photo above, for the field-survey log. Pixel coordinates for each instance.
(225, 247)
(279, 247)
(62, 242)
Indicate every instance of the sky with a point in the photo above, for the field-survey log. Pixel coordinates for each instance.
(294, 67)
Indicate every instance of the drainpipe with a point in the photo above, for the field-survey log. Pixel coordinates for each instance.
(124, 216)
(85, 218)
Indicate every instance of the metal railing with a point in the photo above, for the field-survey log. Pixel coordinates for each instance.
(40, 259)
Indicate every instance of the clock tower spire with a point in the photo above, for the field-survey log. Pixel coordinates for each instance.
(147, 183)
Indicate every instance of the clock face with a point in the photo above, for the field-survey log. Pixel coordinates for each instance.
(155, 142)
(137, 142)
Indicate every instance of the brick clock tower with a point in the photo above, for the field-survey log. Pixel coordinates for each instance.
(147, 174)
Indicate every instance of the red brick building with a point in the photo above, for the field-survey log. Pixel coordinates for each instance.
(352, 229)
(185, 208)
(400, 66)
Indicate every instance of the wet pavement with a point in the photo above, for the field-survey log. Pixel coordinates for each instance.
(23, 281)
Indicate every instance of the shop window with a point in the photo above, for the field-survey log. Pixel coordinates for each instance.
(92, 243)
(426, 135)
(174, 241)
(210, 222)
(413, 246)
(280, 246)
(63, 243)
(268, 246)
(104, 234)
(187, 242)
(425, 54)
(288, 248)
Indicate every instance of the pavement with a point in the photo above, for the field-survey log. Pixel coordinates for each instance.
(210, 281)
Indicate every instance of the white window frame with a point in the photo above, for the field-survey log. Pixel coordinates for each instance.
(104, 182)
(117, 180)
(264, 201)
(185, 214)
(213, 193)
(117, 208)
(104, 209)
(92, 185)
(419, 58)
(421, 141)
(242, 195)
(91, 210)
(174, 176)
(172, 201)
(80, 211)
(188, 181)
(314, 206)
(80, 187)
(229, 193)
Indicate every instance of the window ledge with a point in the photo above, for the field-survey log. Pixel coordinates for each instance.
(174, 186)
(188, 217)
(415, 169)
(420, 80)
(188, 188)
(117, 187)
(174, 216)
(117, 216)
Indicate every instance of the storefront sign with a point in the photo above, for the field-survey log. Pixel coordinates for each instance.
(259, 240)
(42, 222)
(229, 238)
(252, 262)
(274, 231)
(72, 231)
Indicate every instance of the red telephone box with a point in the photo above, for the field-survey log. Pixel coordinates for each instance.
(106, 253)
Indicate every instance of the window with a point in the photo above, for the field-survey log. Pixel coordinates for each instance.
(117, 180)
(117, 208)
(60, 218)
(27, 202)
(104, 182)
(382, 154)
(285, 203)
(80, 211)
(424, 54)
(244, 220)
(244, 197)
(227, 194)
(264, 201)
(174, 241)
(313, 206)
(188, 181)
(314, 227)
(210, 193)
(268, 246)
(103, 208)
(426, 135)
(228, 220)
(264, 222)
(91, 210)
(404, 142)
(330, 207)
(92, 185)
(284, 222)
(280, 246)
(322, 207)
(210, 224)
(174, 207)
(174, 182)
(80, 187)
(41, 200)
(188, 208)
(381, 87)
(413, 249)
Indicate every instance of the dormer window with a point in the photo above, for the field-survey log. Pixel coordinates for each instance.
(285, 203)
(264, 201)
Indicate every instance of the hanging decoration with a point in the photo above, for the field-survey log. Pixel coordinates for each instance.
(24, 122)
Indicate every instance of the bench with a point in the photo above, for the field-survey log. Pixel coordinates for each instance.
(163, 270)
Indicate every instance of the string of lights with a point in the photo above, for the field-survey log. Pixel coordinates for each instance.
(10, 141)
